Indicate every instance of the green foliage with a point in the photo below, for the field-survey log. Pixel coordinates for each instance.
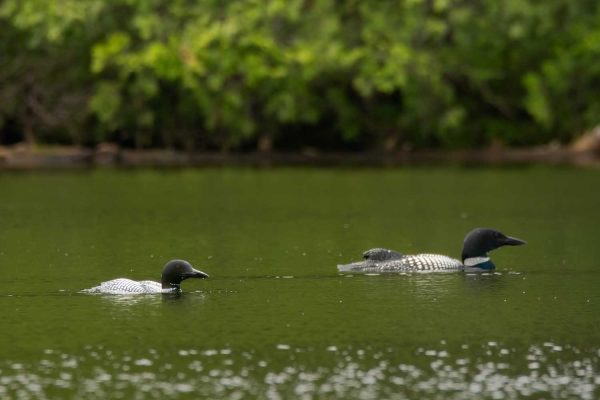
(219, 75)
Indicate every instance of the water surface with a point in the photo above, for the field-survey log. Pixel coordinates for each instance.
(276, 320)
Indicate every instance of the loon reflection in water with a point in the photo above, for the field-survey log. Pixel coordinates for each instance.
(477, 244)
(174, 272)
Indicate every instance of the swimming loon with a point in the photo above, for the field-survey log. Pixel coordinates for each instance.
(477, 244)
(173, 273)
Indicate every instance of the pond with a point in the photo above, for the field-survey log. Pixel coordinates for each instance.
(276, 320)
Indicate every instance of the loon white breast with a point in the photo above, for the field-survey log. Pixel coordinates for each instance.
(174, 272)
(476, 245)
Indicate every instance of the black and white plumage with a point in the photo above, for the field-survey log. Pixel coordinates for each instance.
(128, 286)
(174, 272)
(476, 245)
(405, 263)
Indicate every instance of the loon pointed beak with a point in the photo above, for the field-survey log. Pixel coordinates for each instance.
(512, 241)
(197, 274)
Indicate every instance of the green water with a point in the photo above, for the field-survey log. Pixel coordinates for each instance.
(276, 320)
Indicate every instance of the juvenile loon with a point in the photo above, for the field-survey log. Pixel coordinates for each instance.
(173, 273)
(477, 244)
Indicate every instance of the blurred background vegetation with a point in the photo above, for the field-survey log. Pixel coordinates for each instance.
(291, 74)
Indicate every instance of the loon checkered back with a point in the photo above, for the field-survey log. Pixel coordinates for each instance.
(408, 263)
(128, 286)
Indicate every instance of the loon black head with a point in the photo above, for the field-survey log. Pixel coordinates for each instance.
(481, 240)
(176, 271)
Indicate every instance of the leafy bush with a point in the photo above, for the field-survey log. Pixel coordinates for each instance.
(296, 73)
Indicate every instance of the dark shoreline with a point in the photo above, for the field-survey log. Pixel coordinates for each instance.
(22, 157)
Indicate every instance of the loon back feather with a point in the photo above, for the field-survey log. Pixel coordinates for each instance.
(128, 286)
(408, 263)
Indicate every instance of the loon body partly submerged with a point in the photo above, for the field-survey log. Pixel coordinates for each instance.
(477, 244)
(174, 272)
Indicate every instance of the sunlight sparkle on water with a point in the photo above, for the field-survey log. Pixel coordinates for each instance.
(351, 373)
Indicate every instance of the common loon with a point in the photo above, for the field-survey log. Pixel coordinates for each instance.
(173, 273)
(477, 244)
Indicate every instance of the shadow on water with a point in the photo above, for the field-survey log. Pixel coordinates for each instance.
(126, 301)
(488, 282)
